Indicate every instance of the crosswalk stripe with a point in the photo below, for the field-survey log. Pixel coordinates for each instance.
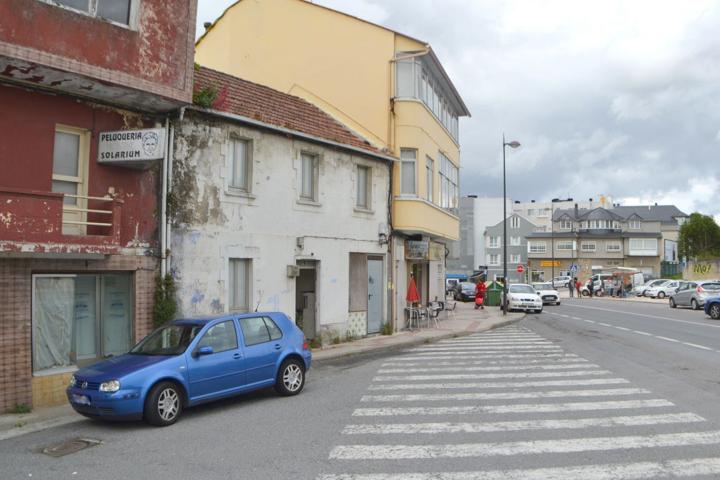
(548, 424)
(569, 366)
(522, 408)
(486, 347)
(491, 343)
(543, 383)
(615, 471)
(487, 354)
(503, 338)
(440, 397)
(470, 376)
(572, 359)
(484, 355)
(572, 445)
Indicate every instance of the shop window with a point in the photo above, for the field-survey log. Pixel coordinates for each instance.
(80, 319)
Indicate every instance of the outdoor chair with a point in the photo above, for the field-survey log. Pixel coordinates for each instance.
(450, 309)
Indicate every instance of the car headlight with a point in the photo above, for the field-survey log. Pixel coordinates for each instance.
(73, 381)
(111, 386)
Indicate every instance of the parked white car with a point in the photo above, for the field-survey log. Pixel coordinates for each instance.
(640, 289)
(664, 290)
(561, 281)
(522, 296)
(547, 293)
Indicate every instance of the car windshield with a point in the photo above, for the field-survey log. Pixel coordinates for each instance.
(542, 286)
(711, 286)
(467, 286)
(167, 340)
(521, 289)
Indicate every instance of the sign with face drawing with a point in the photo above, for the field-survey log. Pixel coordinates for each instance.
(131, 147)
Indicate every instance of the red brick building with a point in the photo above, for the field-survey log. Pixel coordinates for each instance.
(80, 210)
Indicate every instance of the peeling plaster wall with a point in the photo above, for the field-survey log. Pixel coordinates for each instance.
(157, 49)
(213, 224)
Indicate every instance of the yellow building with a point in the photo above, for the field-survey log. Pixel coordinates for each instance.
(387, 87)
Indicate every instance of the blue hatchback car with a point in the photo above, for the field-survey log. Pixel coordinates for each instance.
(712, 307)
(192, 361)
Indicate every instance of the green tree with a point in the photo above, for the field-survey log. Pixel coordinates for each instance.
(699, 237)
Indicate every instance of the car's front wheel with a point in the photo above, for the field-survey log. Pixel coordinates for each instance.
(715, 311)
(694, 304)
(163, 405)
(290, 378)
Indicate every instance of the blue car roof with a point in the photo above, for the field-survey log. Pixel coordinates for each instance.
(202, 320)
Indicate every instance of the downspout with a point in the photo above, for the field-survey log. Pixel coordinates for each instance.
(163, 201)
(391, 262)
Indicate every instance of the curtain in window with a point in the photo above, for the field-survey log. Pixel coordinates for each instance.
(85, 317)
(308, 176)
(116, 314)
(239, 164)
(362, 187)
(53, 306)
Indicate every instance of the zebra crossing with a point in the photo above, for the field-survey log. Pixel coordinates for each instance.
(510, 404)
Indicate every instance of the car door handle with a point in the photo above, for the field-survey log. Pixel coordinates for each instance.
(237, 355)
(278, 346)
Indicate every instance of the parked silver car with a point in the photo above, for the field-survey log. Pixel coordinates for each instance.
(561, 281)
(640, 289)
(694, 294)
(664, 290)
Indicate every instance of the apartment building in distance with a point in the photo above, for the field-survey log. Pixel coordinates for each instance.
(600, 238)
(86, 89)
(388, 87)
(518, 228)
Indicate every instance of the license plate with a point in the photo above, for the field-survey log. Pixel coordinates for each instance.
(81, 399)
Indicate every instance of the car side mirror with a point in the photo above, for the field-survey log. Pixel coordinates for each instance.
(206, 350)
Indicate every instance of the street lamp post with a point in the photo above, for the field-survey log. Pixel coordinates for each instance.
(513, 144)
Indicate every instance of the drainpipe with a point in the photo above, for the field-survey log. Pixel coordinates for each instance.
(163, 201)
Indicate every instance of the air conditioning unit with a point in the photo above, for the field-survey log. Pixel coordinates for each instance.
(293, 271)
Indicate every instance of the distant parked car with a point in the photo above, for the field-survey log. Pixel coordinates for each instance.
(694, 294)
(464, 291)
(547, 293)
(712, 307)
(188, 362)
(522, 296)
(640, 289)
(663, 290)
(561, 281)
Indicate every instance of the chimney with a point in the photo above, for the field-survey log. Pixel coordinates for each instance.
(576, 211)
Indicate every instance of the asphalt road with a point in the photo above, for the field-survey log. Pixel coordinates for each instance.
(590, 389)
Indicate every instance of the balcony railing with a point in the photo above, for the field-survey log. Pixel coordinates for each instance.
(31, 218)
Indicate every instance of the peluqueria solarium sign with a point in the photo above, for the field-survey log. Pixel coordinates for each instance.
(132, 148)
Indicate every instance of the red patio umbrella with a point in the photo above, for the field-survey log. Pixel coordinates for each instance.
(412, 294)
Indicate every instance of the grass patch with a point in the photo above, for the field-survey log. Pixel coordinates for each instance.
(20, 408)
(386, 329)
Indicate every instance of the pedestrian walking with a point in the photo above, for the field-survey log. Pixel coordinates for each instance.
(571, 287)
(578, 286)
(590, 287)
(480, 290)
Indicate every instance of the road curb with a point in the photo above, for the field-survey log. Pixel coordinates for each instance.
(372, 351)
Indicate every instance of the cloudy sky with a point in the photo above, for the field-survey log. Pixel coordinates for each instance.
(606, 96)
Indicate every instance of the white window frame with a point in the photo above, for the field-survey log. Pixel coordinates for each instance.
(494, 242)
(515, 258)
(232, 304)
(588, 247)
(429, 178)
(493, 259)
(247, 167)
(449, 184)
(74, 206)
(648, 247)
(405, 161)
(367, 187)
(537, 246)
(514, 222)
(566, 225)
(93, 9)
(515, 241)
(312, 196)
(613, 247)
(561, 246)
(634, 225)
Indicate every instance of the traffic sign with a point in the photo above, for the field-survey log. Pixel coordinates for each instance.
(573, 268)
(520, 269)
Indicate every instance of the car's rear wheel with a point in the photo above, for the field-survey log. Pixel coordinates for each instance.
(694, 304)
(291, 377)
(672, 303)
(715, 311)
(661, 295)
(557, 303)
(163, 405)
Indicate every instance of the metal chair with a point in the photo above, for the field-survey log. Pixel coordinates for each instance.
(450, 309)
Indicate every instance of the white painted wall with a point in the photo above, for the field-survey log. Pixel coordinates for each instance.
(217, 224)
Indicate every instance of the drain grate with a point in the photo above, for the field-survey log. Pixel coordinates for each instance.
(69, 446)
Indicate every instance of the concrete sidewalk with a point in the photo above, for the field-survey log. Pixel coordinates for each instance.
(465, 321)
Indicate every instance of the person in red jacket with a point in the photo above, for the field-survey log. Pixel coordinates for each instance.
(480, 290)
(578, 285)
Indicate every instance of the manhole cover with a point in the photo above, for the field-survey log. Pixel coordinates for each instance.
(69, 446)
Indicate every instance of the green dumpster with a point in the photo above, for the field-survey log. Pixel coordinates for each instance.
(494, 294)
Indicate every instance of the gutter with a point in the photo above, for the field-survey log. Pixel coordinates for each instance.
(294, 133)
